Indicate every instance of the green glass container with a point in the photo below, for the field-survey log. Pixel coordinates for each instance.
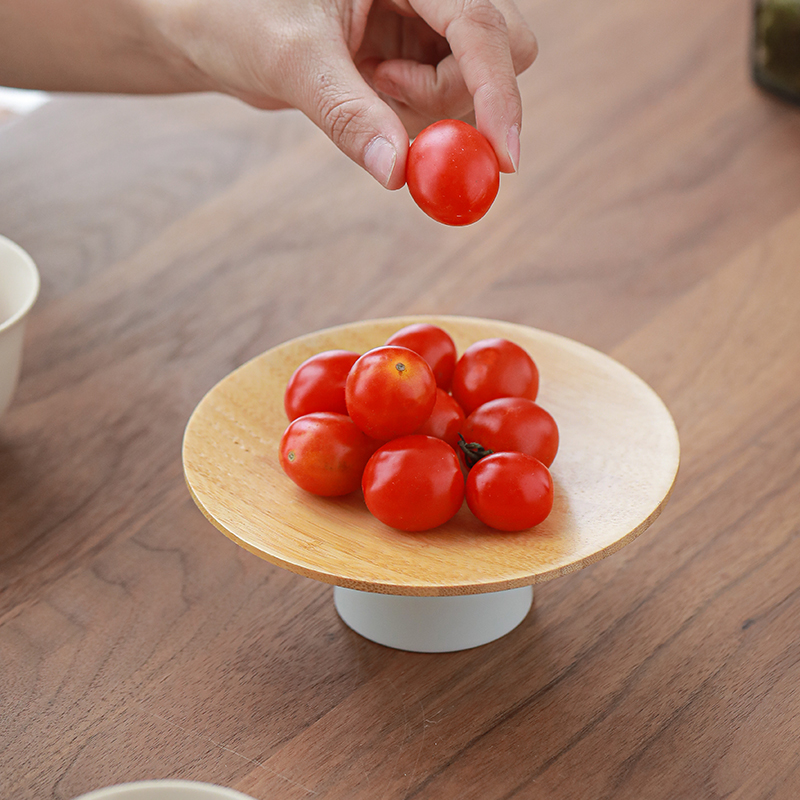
(775, 53)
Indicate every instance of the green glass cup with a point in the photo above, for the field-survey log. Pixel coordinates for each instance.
(775, 52)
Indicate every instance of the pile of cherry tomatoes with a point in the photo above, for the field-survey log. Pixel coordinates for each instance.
(420, 430)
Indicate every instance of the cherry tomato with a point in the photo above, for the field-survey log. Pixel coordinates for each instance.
(390, 392)
(452, 172)
(318, 384)
(510, 491)
(445, 420)
(493, 368)
(513, 424)
(434, 344)
(413, 483)
(325, 453)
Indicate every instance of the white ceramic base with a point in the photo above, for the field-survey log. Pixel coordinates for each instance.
(164, 790)
(433, 624)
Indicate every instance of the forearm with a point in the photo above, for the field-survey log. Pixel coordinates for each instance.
(89, 45)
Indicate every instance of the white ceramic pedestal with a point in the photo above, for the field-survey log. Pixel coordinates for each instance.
(433, 624)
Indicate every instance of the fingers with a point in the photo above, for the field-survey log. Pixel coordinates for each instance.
(335, 96)
(521, 41)
(311, 56)
(436, 92)
(489, 48)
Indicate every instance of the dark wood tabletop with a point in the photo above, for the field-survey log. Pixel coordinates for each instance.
(655, 217)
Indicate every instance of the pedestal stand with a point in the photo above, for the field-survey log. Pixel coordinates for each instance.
(433, 624)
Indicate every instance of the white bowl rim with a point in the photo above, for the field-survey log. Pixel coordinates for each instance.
(120, 790)
(26, 259)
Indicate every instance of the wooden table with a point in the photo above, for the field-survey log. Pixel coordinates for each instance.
(656, 218)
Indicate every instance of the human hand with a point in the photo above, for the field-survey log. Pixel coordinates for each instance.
(367, 72)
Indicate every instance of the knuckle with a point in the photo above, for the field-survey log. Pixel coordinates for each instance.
(341, 118)
(524, 49)
(486, 15)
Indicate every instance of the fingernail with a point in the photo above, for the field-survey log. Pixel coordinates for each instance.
(379, 159)
(512, 143)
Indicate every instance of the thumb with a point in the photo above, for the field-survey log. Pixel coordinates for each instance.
(338, 100)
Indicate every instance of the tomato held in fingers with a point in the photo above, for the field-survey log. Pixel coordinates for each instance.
(493, 368)
(390, 392)
(513, 424)
(445, 421)
(325, 453)
(452, 172)
(510, 491)
(318, 384)
(434, 344)
(413, 483)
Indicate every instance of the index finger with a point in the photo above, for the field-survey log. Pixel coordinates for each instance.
(481, 38)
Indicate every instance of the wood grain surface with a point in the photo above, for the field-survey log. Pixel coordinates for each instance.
(615, 469)
(656, 217)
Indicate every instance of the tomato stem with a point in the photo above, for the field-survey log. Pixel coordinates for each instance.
(472, 452)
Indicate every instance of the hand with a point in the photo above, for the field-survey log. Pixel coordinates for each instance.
(367, 72)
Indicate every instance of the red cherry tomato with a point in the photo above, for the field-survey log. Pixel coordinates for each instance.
(325, 453)
(318, 384)
(513, 424)
(452, 172)
(413, 483)
(434, 345)
(493, 368)
(390, 392)
(510, 491)
(445, 420)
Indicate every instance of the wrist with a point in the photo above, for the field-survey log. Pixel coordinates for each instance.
(161, 29)
(92, 46)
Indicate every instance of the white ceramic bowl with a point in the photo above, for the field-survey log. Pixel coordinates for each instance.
(164, 790)
(19, 287)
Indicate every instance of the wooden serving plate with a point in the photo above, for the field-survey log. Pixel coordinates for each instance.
(615, 469)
